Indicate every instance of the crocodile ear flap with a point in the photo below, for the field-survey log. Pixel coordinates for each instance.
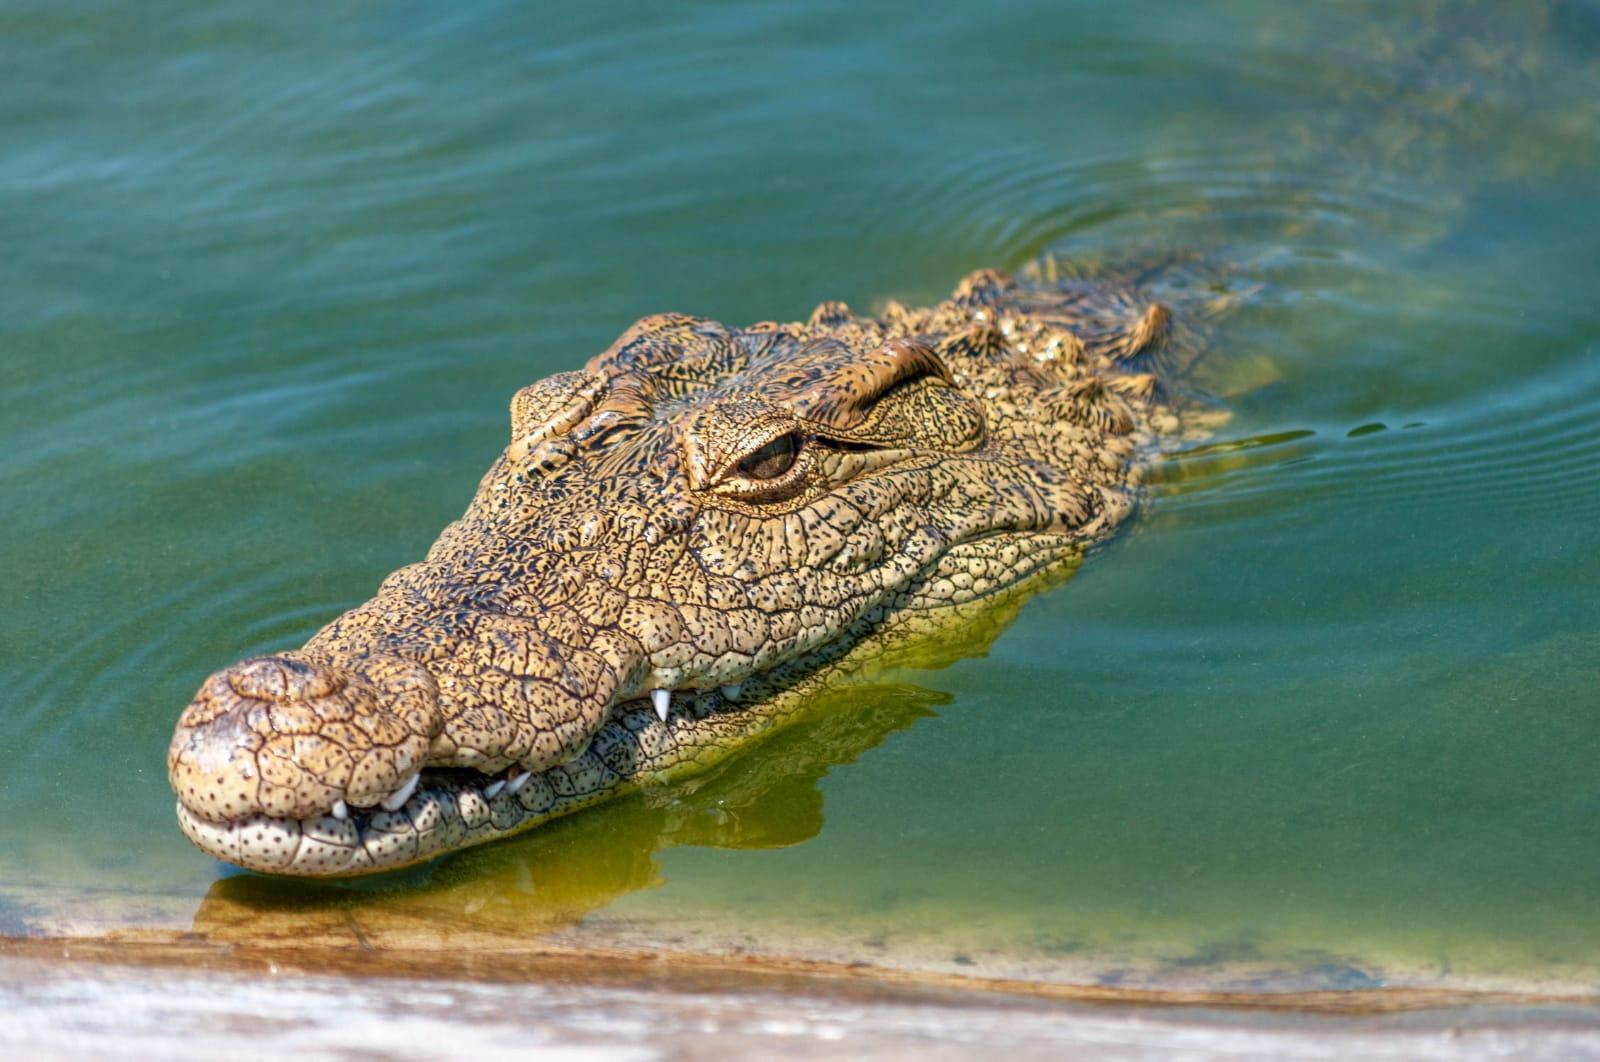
(845, 398)
(551, 408)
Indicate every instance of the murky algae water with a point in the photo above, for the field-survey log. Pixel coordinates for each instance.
(1327, 715)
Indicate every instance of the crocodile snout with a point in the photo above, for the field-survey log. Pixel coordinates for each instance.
(289, 737)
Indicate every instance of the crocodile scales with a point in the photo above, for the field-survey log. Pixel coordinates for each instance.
(683, 542)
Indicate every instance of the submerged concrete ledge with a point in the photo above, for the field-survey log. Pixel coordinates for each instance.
(692, 971)
(161, 994)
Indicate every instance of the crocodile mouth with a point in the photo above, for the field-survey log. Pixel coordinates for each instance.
(440, 809)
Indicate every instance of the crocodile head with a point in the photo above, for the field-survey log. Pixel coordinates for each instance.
(682, 540)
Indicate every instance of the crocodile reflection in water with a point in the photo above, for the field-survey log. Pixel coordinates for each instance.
(685, 543)
(497, 896)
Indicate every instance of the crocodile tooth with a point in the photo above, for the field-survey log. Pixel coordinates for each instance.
(732, 690)
(662, 699)
(518, 782)
(492, 790)
(396, 800)
(341, 810)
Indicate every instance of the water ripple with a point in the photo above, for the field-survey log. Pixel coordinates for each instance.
(1531, 447)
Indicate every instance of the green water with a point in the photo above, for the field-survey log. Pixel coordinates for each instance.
(269, 274)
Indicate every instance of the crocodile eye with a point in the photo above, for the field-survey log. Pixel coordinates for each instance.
(771, 460)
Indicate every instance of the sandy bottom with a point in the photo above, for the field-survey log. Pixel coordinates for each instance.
(498, 924)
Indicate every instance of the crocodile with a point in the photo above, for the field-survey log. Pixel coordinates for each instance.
(683, 543)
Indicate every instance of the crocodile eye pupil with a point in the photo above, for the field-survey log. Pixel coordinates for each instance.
(772, 460)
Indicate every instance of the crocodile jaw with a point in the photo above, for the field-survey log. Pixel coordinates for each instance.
(449, 808)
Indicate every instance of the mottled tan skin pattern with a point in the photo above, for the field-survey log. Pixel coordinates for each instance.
(734, 515)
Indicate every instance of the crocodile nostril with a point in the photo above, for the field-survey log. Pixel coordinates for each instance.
(281, 678)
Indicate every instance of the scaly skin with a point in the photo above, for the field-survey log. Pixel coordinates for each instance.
(683, 543)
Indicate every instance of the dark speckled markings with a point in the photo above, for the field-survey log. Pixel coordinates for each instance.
(683, 542)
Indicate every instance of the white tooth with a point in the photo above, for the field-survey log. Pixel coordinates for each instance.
(492, 790)
(341, 810)
(662, 699)
(732, 690)
(518, 782)
(396, 800)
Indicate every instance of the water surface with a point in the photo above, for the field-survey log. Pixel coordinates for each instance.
(1327, 715)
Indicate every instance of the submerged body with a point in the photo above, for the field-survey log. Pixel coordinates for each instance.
(684, 542)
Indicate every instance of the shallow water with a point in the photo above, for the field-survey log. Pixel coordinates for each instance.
(1326, 715)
